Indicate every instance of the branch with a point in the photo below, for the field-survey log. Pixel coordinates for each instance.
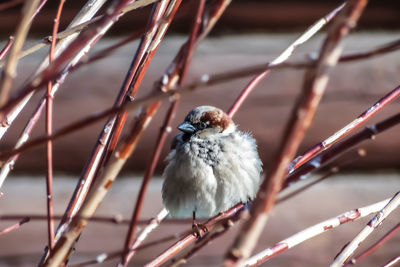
(376, 221)
(314, 231)
(189, 238)
(362, 118)
(7, 47)
(49, 128)
(313, 29)
(392, 262)
(368, 133)
(375, 246)
(14, 226)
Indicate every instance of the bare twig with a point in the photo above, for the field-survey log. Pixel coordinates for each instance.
(375, 246)
(313, 29)
(189, 238)
(313, 231)
(368, 133)
(9, 72)
(392, 262)
(99, 219)
(376, 221)
(14, 226)
(363, 117)
(7, 47)
(217, 231)
(134, 244)
(49, 129)
(314, 85)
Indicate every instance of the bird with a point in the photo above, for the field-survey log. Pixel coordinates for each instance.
(212, 166)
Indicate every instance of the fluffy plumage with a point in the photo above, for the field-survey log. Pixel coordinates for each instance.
(212, 166)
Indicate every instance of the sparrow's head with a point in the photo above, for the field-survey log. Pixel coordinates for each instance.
(205, 121)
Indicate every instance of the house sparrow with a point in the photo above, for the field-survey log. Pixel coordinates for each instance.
(212, 166)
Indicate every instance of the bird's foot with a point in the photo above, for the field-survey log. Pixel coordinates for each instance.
(197, 228)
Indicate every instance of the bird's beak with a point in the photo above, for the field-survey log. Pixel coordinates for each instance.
(186, 127)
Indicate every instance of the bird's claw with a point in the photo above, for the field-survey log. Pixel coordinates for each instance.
(197, 227)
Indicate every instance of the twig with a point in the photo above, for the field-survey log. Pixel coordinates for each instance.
(49, 128)
(9, 72)
(375, 246)
(376, 221)
(117, 219)
(135, 244)
(313, 231)
(386, 48)
(392, 262)
(220, 228)
(189, 238)
(301, 117)
(14, 226)
(362, 118)
(313, 29)
(7, 47)
(368, 133)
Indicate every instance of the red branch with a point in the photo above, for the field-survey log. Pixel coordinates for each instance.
(375, 246)
(49, 127)
(7, 47)
(367, 114)
(14, 226)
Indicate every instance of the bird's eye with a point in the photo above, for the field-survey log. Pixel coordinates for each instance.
(201, 125)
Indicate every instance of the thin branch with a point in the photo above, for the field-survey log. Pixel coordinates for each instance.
(189, 237)
(314, 231)
(376, 221)
(49, 129)
(362, 118)
(220, 228)
(117, 219)
(14, 226)
(392, 262)
(375, 246)
(314, 85)
(7, 47)
(135, 244)
(368, 133)
(311, 31)
(9, 72)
